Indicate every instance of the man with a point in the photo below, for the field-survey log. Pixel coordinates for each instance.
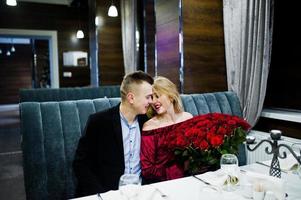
(110, 145)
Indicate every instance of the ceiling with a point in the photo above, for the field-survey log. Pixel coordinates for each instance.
(60, 2)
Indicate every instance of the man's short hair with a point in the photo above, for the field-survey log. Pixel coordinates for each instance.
(137, 77)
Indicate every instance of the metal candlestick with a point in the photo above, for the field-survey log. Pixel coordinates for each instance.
(273, 141)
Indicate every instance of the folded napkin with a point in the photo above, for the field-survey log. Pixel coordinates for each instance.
(216, 178)
(287, 164)
(146, 192)
(269, 183)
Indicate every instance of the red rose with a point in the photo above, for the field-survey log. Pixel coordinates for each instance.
(232, 122)
(245, 125)
(191, 132)
(216, 140)
(202, 123)
(181, 142)
(201, 134)
(209, 124)
(204, 145)
(209, 135)
(221, 131)
(196, 143)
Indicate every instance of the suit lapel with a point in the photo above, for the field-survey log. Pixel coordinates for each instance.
(117, 129)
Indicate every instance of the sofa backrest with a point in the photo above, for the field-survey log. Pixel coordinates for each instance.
(51, 131)
(64, 94)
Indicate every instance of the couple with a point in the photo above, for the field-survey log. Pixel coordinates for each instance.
(117, 139)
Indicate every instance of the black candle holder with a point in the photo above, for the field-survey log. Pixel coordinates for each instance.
(275, 136)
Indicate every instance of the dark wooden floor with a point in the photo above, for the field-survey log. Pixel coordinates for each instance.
(11, 169)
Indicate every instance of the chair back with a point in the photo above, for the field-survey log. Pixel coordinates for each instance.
(64, 94)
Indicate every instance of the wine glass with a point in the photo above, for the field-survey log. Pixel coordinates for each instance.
(229, 165)
(129, 185)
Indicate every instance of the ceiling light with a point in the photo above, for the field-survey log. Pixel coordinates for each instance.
(12, 49)
(80, 34)
(11, 2)
(112, 10)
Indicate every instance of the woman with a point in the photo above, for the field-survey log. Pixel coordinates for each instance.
(158, 164)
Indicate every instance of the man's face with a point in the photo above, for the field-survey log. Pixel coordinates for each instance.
(142, 97)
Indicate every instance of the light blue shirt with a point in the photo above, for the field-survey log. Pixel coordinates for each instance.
(131, 145)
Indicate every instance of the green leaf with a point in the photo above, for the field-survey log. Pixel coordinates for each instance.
(178, 152)
(185, 153)
(224, 151)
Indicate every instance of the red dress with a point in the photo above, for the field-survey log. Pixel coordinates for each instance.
(157, 163)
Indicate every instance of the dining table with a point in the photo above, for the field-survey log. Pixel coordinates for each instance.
(203, 187)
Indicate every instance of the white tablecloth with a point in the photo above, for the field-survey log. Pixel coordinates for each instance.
(192, 189)
(292, 182)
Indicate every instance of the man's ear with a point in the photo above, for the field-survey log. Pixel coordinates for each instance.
(130, 97)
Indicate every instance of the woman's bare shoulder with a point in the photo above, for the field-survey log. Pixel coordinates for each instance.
(150, 124)
(186, 115)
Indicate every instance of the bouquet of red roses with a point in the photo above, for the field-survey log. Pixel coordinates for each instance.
(203, 139)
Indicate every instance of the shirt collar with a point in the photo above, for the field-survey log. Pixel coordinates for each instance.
(133, 125)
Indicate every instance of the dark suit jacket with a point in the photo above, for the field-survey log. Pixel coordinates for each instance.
(99, 159)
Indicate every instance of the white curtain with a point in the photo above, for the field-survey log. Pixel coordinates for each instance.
(248, 42)
(128, 26)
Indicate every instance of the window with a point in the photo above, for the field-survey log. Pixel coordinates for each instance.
(283, 87)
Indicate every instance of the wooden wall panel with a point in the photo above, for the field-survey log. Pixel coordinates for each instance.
(167, 33)
(150, 31)
(15, 72)
(63, 19)
(204, 56)
(111, 70)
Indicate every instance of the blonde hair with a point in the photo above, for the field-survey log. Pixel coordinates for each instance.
(129, 80)
(164, 86)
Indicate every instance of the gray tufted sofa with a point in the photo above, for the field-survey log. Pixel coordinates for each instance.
(51, 131)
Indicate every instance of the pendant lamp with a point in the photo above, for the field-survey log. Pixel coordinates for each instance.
(112, 12)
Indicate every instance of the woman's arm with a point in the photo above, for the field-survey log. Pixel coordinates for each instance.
(155, 165)
(151, 166)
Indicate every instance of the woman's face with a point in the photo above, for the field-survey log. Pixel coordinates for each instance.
(161, 103)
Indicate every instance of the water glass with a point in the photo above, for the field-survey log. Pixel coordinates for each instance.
(129, 185)
(229, 165)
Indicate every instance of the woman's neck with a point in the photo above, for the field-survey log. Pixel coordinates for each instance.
(169, 116)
